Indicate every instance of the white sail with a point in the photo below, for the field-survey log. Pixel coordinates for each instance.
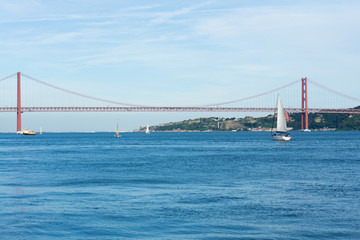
(281, 119)
(147, 131)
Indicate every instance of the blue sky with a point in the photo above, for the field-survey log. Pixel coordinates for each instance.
(175, 52)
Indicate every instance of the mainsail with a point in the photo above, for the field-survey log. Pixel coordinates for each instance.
(281, 119)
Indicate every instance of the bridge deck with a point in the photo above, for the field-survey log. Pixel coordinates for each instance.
(172, 109)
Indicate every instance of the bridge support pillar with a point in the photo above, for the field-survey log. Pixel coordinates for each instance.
(304, 105)
(18, 123)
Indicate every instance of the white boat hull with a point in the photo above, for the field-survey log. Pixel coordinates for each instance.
(281, 137)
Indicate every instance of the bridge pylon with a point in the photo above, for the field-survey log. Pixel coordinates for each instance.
(304, 105)
(18, 122)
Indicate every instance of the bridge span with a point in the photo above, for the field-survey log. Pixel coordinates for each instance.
(173, 109)
(230, 106)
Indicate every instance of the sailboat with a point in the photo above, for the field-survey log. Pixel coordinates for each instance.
(147, 131)
(281, 134)
(117, 131)
(40, 132)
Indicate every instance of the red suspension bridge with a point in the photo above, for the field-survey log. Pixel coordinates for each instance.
(256, 103)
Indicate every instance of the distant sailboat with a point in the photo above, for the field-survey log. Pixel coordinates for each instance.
(117, 131)
(40, 132)
(281, 133)
(147, 131)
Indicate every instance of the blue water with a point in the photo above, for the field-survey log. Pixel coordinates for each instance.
(180, 186)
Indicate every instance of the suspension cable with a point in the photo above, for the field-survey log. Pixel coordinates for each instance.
(257, 95)
(80, 94)
(333, 91)
(12, 75)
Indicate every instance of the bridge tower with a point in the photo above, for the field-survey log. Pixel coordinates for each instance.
(18, 127)
(304, 105)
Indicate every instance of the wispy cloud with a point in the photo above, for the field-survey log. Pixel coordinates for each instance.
(161, 17)
(63, 37)
(42, 16)
(253, 68)
(267, 20)
(101, 23)
(19, 6)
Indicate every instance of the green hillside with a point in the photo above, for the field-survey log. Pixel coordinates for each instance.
(316, 121)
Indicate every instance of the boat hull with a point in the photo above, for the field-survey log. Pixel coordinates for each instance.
(28, 132)
(281, 137)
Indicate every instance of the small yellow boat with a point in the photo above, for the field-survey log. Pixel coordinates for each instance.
(28, 132)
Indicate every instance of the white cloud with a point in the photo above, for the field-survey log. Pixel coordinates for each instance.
(162, 17)
(101, 23)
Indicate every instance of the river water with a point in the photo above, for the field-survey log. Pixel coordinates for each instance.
(238, 185)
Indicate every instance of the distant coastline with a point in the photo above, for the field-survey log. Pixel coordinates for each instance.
(317, 122)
